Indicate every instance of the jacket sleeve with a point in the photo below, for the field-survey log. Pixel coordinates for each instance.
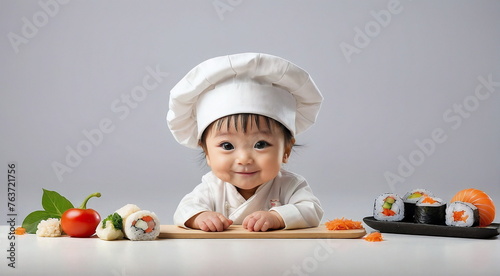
(197, 201)
(300, 209)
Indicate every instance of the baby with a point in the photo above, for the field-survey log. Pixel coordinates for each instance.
(243, 110)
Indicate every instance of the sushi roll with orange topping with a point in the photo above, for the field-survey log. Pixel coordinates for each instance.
(430, 210)
(481, 200)
(462, 214)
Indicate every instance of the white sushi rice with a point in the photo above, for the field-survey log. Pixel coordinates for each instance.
(134, 226)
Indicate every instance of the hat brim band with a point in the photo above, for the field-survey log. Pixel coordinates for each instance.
(245, 97)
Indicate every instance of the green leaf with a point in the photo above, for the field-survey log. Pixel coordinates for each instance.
(31, 222)
(54, 203)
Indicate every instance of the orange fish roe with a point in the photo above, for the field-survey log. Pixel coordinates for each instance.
(20, 231)
(374, 237)
(459, 216)
(343, 224)
(429, 200)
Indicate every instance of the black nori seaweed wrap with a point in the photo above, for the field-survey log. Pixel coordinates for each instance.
(409, 211)
(410, 200)
(430, 214)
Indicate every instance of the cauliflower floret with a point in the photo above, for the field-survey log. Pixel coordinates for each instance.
(109, 232)
(49, 228)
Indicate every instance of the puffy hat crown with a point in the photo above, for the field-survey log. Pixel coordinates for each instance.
(242, 83)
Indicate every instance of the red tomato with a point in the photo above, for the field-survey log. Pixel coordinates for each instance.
(80, 222)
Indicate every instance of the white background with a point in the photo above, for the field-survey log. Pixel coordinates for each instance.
(65, 65)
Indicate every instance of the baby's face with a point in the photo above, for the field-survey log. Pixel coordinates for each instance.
(246, 159)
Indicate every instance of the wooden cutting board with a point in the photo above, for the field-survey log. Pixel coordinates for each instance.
(237, 232)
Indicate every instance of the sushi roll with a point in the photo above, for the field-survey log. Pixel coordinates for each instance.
(462, 214)
(142, 226)
(388, 207)
(410, 200)
(430, 210)
(482, 201)
(127, 210)
(111, 228)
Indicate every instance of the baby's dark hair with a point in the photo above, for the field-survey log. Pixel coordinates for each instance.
(244, 121)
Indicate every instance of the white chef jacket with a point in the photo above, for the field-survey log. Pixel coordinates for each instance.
(288, 194)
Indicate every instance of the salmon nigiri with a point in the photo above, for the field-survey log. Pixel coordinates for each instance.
(482, 201)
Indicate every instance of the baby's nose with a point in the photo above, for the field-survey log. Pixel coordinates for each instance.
(244, 157)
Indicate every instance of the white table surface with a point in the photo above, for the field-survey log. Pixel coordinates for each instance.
(401, 254)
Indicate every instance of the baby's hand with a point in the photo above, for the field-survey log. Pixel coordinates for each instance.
(209, 222)
(263, 221)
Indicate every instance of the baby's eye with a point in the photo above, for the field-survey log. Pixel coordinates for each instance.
(261, 145)
(227, 146)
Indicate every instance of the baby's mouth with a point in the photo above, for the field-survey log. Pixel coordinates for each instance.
(246, 173)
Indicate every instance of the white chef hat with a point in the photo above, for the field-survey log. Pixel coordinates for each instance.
(242, 83)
